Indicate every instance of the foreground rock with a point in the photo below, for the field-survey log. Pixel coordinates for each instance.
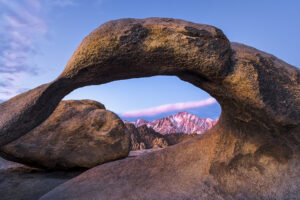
(5, 164)
(79, 134)
(26, 183)
(253, 152)
(19, 182)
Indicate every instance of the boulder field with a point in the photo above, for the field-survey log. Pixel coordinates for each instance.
(253, 152)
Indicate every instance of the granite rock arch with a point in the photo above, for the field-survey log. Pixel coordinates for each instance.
(252, 149)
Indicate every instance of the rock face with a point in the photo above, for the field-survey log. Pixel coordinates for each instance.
(79, 134)
(252, 150)
(145, 138)
(182, 122)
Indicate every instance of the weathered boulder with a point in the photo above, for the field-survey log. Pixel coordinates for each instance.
(79, 134)
(252, 150)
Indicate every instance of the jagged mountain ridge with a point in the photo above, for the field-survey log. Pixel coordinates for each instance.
(182, 122)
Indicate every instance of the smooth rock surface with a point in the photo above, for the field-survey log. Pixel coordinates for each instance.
(5, 164)
(19, 182)
(253, 152)
(79, 134)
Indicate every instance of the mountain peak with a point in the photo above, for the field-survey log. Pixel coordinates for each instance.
(183, 112)
(182, 122)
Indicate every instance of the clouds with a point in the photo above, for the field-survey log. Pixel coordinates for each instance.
(23, 27)
(169, 108)
(21, 24)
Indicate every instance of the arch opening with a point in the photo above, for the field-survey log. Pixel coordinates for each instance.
(196, 53)
(156, 100)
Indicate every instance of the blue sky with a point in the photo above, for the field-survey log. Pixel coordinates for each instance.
(37, 37)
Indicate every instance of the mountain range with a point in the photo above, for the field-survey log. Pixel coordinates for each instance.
(182, 122)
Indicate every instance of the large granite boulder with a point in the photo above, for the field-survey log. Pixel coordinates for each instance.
(253, 152)
(79, 134)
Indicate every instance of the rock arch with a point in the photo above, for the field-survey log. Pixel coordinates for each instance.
(253, 148)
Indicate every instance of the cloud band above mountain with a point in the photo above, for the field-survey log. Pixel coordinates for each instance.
(169, 108)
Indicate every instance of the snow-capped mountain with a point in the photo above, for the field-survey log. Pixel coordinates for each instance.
(182, 122)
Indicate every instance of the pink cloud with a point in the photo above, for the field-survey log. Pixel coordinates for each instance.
(169, 107)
